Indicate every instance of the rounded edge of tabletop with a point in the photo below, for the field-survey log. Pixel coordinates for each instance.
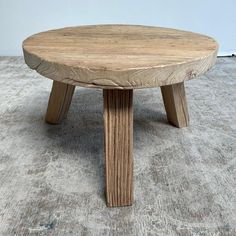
(36, 63)
(133, 79)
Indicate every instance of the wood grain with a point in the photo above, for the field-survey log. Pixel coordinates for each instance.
(119, 56)
(118, 124)
(176, 104)
(59, 102)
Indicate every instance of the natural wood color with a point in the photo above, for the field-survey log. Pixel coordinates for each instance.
(118, 124)
(120, 56)
(176, 104)
(59, 102)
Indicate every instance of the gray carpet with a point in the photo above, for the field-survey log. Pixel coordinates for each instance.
(51, 177)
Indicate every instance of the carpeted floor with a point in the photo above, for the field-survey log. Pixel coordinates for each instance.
(51, 177)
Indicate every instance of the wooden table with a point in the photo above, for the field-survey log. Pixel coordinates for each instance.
(119, 59)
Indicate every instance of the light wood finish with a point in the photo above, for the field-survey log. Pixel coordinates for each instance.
(120, 56)
(59, 102)
(118, 124)
(118, 59)
(175, 104)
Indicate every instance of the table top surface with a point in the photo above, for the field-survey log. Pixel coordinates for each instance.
(119, 56)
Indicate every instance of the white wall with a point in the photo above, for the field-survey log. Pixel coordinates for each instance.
(21, 18)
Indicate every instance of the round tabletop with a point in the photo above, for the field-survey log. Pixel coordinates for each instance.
(119, 56)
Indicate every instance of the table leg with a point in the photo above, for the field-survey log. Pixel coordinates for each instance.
(118, 129)
(176, 104)
(59, 102)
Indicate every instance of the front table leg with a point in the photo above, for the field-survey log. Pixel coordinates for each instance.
(59, 102)
(176, 104)
(118, 129)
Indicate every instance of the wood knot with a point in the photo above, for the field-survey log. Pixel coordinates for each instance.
(191, 74)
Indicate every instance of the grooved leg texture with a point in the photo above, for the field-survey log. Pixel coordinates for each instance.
(59, 102)
(118, 124)
(175, 104)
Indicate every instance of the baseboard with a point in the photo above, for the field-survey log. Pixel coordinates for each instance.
(227, 54)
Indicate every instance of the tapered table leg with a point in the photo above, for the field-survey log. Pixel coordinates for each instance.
(176, 104)
(59, 102)
(118, 129)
